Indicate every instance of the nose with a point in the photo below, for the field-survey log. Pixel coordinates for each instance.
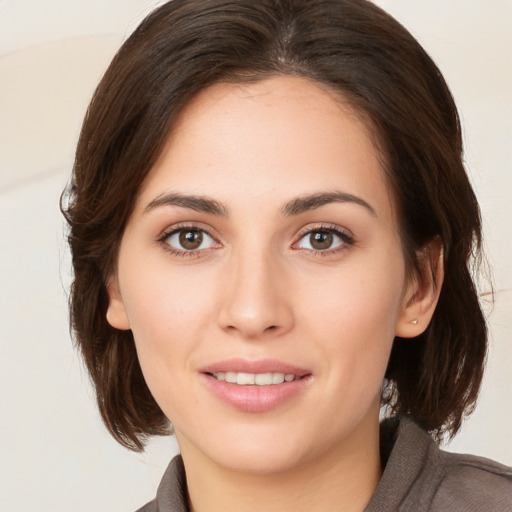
(256, 299)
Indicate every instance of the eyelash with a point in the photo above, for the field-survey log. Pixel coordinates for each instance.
(346, 239)
(177, 229)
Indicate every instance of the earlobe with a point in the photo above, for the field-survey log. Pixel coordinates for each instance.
(116, 311)
(422, 293)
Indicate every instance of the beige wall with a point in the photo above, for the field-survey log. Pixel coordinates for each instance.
(56, 456)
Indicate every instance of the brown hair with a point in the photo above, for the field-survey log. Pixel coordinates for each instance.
(355, 48)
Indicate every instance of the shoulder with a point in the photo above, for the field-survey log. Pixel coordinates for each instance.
(152, 506)
(473, 484)
(171, 495)
(419, 476)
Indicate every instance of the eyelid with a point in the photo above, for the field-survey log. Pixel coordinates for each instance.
(176, 228)
(181, 226)
(347, 238)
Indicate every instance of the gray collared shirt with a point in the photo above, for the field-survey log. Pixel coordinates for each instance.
(418, 477)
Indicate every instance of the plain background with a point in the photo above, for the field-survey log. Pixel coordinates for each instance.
(55, 454)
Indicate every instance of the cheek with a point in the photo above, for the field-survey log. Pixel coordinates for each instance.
(162, 302)
(168, 310)
(363, 299)
(163, 335)
(352, 316)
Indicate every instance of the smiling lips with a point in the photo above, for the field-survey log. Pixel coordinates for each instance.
(255, 379)
(258, 386)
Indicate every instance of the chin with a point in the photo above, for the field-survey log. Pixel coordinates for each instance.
(259, 460)
(252, 449)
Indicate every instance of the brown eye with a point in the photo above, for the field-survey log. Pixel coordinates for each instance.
(190, 240)
(321, 240)
(324, 240)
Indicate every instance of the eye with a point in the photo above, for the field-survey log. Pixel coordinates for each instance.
(324, 239)
(189, 239)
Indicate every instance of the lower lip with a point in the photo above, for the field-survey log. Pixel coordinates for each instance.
(256, 398)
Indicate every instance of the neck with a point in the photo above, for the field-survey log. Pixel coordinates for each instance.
(343, 480)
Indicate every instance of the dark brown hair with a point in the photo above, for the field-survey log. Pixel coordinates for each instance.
(356, 49)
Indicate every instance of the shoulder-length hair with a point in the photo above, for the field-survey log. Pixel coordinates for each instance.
(351, 46)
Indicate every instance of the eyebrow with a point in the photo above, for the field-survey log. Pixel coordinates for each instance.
(197, 203)
(294, 207)
(311, 202)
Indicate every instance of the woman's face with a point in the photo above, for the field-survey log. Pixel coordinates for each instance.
(264, 249)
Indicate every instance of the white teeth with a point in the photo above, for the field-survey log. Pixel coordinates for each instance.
(278, 378)
(263, 379)
(245, 379)
(258, 379)
(230, 377)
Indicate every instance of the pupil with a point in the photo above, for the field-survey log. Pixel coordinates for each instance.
(321, 240)
(191, 239)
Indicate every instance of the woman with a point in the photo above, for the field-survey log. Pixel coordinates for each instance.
(272, 233)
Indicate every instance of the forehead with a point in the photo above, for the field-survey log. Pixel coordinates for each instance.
(273, 139)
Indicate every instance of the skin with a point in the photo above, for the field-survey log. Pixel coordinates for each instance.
(257, 289)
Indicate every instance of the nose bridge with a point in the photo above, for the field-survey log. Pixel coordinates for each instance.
(255, 300)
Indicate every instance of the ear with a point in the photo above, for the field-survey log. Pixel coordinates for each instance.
(116, 312)
(422, 292)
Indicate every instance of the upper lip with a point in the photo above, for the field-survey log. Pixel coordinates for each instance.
(241, 365)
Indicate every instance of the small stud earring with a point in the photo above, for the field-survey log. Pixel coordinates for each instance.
(414, 322)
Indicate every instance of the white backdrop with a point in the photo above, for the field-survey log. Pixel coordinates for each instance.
(56, 455)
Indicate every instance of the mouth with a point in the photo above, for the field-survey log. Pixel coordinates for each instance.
(255, 379)
(256, 386)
